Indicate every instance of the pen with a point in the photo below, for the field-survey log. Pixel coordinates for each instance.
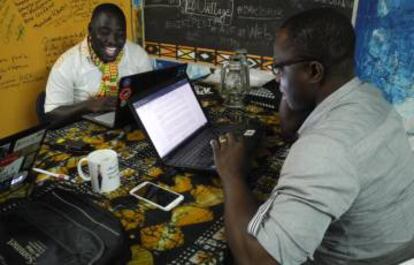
(51, 174)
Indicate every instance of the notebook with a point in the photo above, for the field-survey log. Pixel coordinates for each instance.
(178, 128)
(128, 85)
(17, 155)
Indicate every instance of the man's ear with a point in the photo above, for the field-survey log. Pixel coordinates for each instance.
(316, 72)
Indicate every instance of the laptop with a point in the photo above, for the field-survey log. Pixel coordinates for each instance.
(17, 155)
(128, 85)
(178, 128)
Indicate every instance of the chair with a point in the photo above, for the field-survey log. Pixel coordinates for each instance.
(40, 107)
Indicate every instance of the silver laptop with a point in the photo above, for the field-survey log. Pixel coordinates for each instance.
(105, 119)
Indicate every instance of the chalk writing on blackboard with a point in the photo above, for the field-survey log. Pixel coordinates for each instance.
(254, 12)
(225, 25)
(336, 3)
(164, 3)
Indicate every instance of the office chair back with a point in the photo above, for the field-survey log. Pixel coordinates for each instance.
(40, 107)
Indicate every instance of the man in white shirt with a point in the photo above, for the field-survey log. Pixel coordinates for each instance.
(84, 79)
(345, 191)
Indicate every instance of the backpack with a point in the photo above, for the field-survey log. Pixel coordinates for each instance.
(60, 226)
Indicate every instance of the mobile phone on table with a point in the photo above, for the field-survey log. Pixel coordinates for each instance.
(155, 195)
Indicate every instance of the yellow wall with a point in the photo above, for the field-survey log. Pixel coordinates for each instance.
(33, 33)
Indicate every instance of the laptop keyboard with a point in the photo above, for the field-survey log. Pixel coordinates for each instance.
(200, 153)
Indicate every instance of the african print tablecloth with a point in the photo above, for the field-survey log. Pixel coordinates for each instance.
(191, 233)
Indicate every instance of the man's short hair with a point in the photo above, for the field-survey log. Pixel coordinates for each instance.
(109, 9)
(323, 34)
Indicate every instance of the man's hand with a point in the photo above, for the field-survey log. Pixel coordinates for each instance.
(230, 157)
(239, 204)
(101, 104)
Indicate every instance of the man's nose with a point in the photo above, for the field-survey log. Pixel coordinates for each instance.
(111, 40)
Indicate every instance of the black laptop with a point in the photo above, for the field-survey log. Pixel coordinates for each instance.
(17, 155)
(178, 128)
(128, 85)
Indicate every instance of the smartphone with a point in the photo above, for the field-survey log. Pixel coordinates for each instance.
(157, 196)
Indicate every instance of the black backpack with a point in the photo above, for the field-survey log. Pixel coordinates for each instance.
(61, 226)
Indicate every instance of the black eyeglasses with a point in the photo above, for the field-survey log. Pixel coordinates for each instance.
(278, 67)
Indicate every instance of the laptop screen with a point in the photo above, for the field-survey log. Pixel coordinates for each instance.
(17, 155)
(170, 115)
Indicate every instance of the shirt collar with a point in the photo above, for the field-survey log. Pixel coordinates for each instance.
(328, 103)
(85, 50)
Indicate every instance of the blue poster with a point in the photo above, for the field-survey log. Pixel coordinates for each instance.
(385, 47)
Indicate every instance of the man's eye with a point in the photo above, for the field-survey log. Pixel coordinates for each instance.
(103, 32)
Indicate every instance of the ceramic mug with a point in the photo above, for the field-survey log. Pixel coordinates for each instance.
(103, 170)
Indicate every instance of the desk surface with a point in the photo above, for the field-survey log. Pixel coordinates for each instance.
(193, 232)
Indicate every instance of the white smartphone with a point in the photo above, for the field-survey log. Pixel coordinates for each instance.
(157, 196)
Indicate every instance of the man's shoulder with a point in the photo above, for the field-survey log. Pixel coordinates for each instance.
(70, 56)
(319, 140)
(135, 59)
(356, 116)
(133, 49)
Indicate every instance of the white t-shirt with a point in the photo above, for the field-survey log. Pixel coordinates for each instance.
(75, 78)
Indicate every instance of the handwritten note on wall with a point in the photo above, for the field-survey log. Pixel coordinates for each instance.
(34, 33)
(53, 46)
(12, 27)
(37, 13)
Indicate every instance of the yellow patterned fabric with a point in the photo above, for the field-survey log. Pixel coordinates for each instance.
(191, 233)
(109, 81)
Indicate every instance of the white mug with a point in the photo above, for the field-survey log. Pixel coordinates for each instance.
(103, 170)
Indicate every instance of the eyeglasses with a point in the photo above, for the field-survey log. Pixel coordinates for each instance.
(277, 68)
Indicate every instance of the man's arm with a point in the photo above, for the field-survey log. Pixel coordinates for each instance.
(60, 106)
(75, 111)
(239, 204)
(290, 121)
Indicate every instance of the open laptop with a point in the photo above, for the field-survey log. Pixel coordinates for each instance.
(17, 155)
(178, 128)
(128, 85)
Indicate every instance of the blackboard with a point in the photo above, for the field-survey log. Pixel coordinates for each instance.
(224, 25)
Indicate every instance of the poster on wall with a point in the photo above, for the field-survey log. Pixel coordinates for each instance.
(385, 45)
